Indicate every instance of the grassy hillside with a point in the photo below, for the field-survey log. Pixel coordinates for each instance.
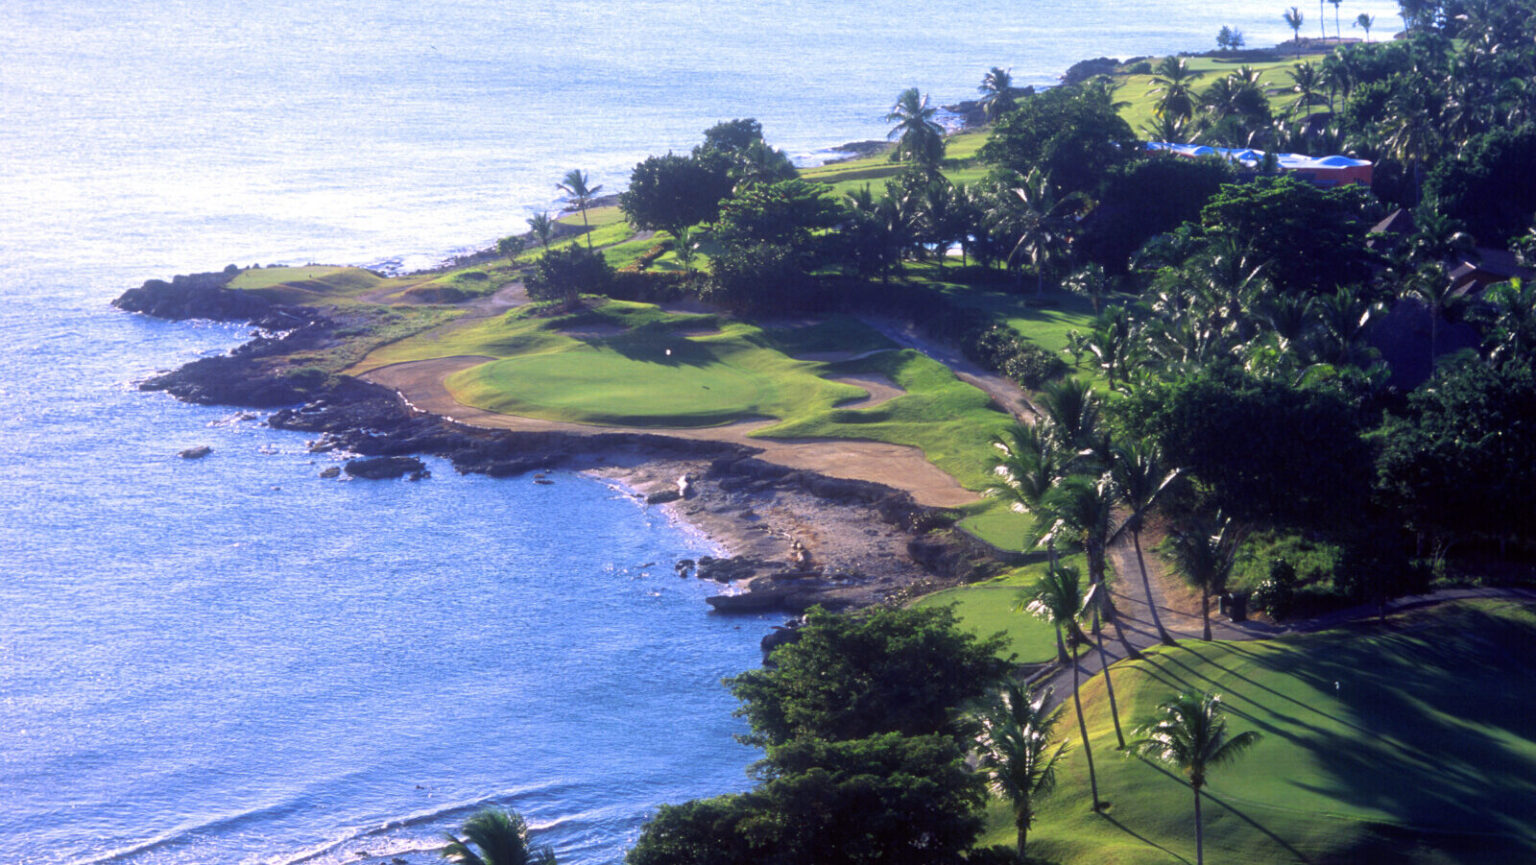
(1409, 743)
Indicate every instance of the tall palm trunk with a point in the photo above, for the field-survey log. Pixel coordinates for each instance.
(1096, 575)
(1146, 583)
(1114, 711)
(1205, 612)
(1199, 830)
(1082, 728)
(587, 225)
(1061, 649)
(1021, 821)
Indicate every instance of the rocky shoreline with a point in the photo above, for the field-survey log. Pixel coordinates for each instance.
(793, 538)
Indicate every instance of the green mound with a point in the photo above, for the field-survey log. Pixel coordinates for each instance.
(1412, 742)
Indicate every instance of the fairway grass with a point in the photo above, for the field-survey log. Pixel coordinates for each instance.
(988, 607)
(1412, 742)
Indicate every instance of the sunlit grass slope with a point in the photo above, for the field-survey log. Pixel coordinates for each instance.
(1409, 743)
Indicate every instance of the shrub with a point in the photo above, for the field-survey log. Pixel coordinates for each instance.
(1276, 594)
(562, 274)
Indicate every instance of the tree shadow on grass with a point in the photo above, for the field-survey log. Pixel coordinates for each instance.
(1229, 808)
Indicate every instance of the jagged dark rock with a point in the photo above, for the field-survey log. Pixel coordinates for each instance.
(196, 453)
(385, 468)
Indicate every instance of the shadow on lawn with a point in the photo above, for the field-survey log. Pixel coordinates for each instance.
(1429, 721)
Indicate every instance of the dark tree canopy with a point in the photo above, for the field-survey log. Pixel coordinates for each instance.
(1313, 239)
(885, 799)
(1490, 185)
(673, 192)
(1146, 198)
(1462, 463)
(1266, 450)
(737, 149)
(849, 677)
(1072, 133)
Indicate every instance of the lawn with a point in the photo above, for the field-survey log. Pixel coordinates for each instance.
(1133, 90)
(987, 608)
(1411, 742)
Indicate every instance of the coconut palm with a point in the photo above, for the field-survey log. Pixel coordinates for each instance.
(1294, 19)
(996, 93)
(493, 837)
(1173, 82)
(1090, 282)
(919, 139)
(1040, 220)
(1365, 22)
(1431, 285)
(1028, 464)
(1336, 32)
(1079, 509)
(1141, 479)
(1306, 80)
(1509, 309)
(543, 229)
(575, 186)
(1189, 734)
(1014, 750)
(1073, 423)
(1205, 552)
(1058, 598)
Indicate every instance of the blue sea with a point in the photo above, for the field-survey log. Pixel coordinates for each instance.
(232, 660)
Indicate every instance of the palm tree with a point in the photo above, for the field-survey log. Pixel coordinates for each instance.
(1014, 750)
(996, 93)
(1090, 282)
(575, 186)
(1079, 508)
(493, 837)
(1173, 82)
(1305, 81)
(1432, 286)
(1041, 223)
(1294, 19)
(1141, 479)
(1189, 734)
(1337, 34)
(1205, 553)
(1364, 22)
(1058, 598)
(919, 138)
(1509, 309)
(543, 228)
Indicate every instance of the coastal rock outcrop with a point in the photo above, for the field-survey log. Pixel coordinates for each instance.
(384, 468)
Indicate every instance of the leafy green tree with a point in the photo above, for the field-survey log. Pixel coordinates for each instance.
(883, 799)
(509, 247)
(1058, 597)
(1312, 238)
(1189, 734)
(1508, 315)
(1488, 184)
(1205, 552)
(918, 138)
(563, 274)
(1306, 81)
(789, 213)
(1073, 134)
(543, 229)
(1015, 752)
(1145, 198)
(493, 837)
(575, 186)
(759, 277)
(849, 677)
(673, 192)
(1263, 450)
(736, 149)
(888, 798)
(1460, 465)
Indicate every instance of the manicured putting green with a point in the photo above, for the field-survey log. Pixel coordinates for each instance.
(654, 376)
(1412, 742)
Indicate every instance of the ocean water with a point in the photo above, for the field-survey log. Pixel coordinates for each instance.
(231, 660)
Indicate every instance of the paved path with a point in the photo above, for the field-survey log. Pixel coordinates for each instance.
(1183, 620)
